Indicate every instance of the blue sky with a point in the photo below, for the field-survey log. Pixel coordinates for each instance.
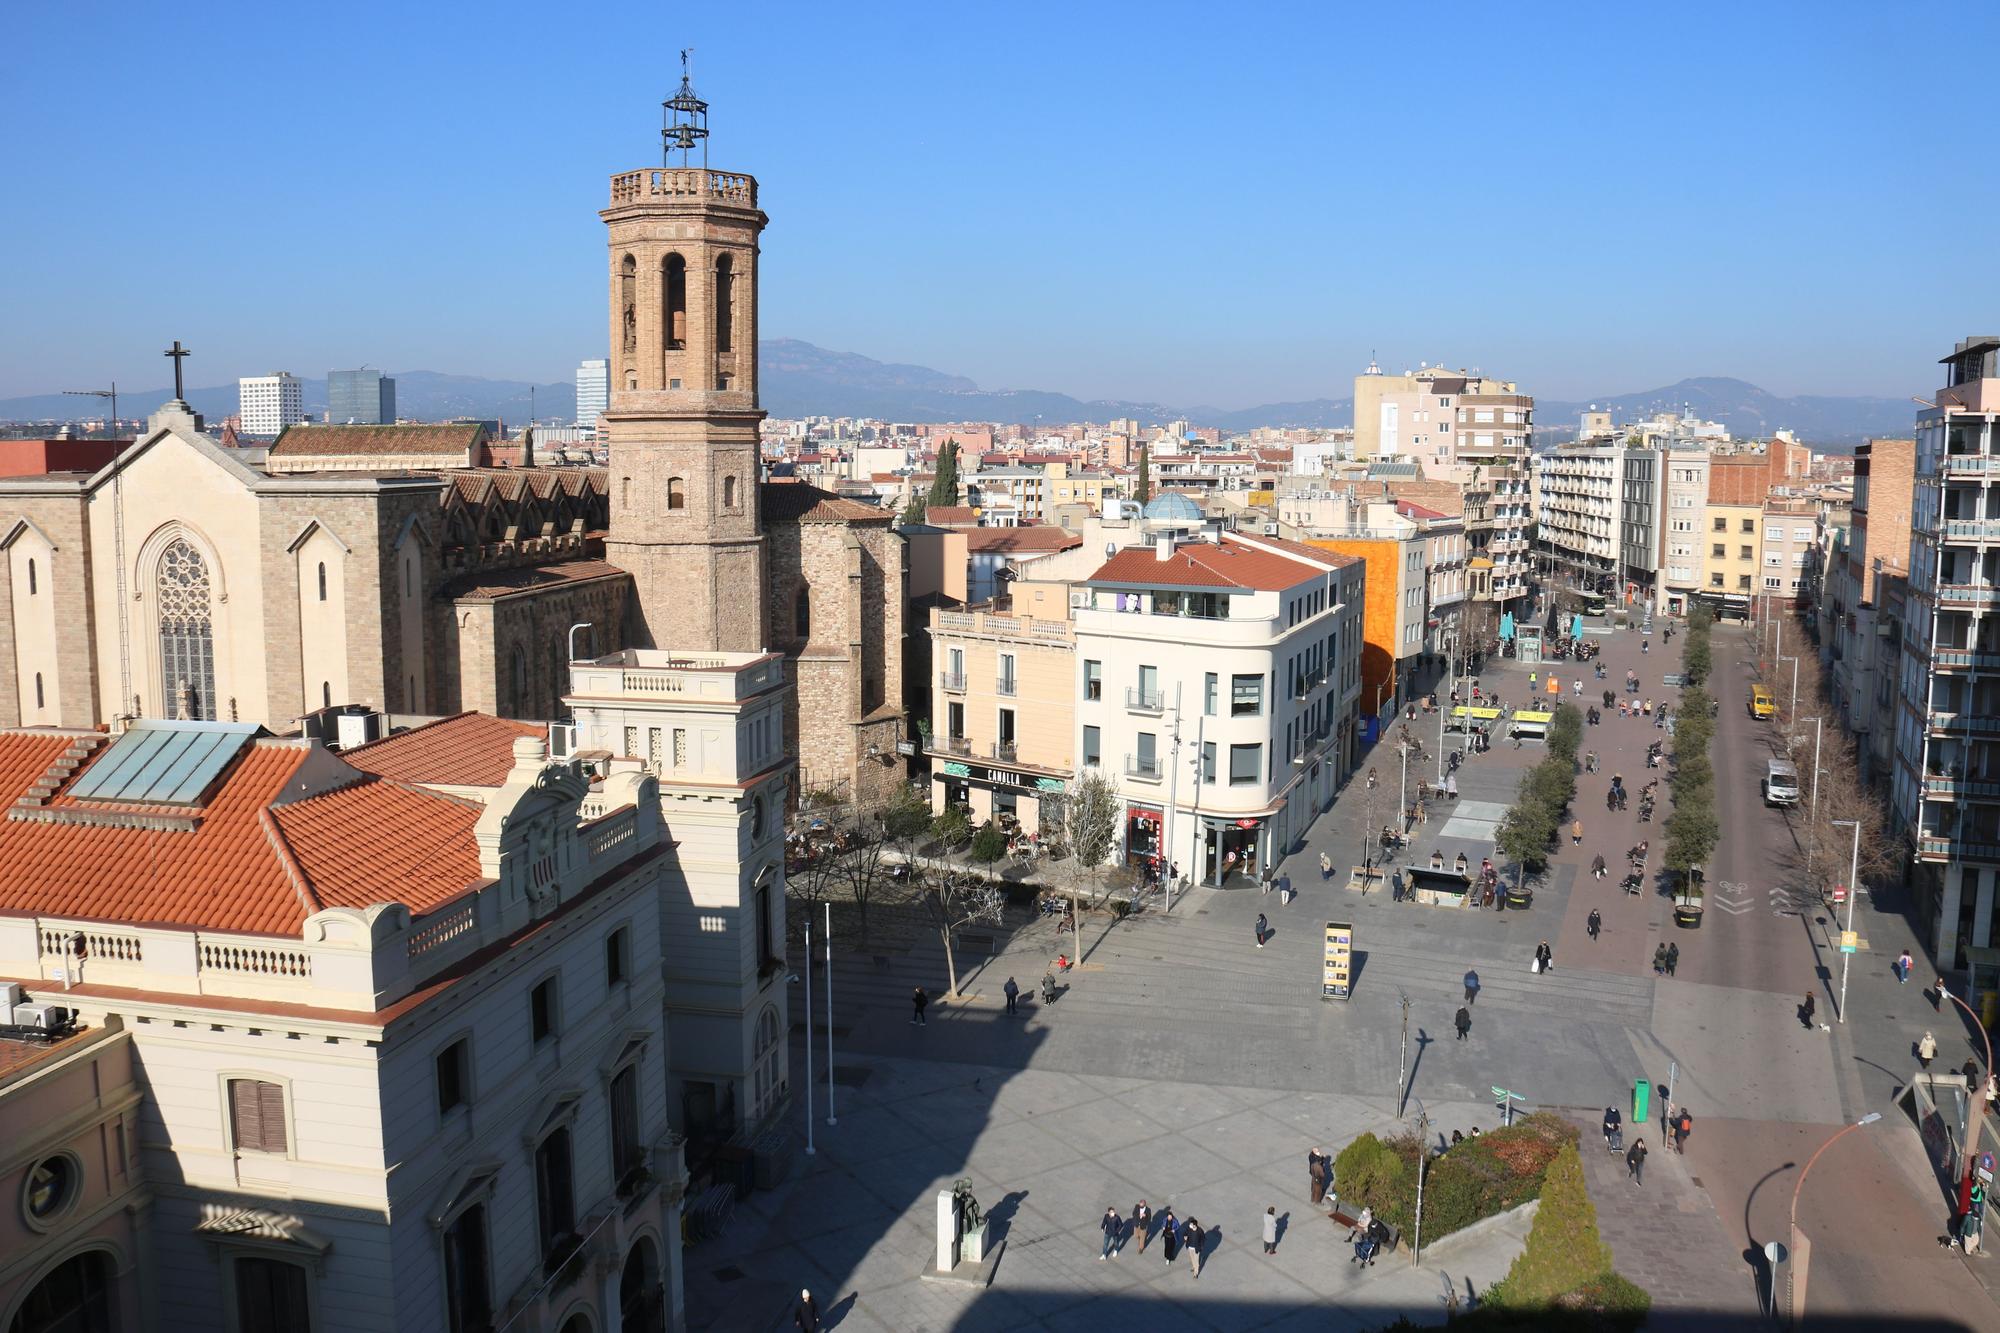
(1197, 203)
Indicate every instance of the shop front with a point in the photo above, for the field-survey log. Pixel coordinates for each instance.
(1145, 830)
(1013, 799)
(1232, 847)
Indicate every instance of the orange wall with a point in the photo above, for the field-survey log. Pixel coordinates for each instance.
(1382, 560)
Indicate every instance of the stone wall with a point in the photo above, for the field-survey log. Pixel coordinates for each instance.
(478, 638)
(66, 654)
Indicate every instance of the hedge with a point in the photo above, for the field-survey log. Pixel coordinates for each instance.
(1475, 1179)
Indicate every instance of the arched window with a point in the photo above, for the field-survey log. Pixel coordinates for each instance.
(520, 681)
(187, 638)
(326, 694)
(676, 493)
(675, 273)
(322, 580)
(628, 283)
(641, 1298)
(729, 492)
(38, 690)
(76, 1295)
(31, 578)
(725, 304)
(802, 615)
(765, 1064)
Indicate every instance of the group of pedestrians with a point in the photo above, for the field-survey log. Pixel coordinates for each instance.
(1173, 1234)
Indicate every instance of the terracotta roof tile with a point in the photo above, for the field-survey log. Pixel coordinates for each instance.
(467, 750)
(314, 441)
(1036, 537)
(1205, 564)
(489, 584)
(945, 516)
(801, 502)
(245, 866)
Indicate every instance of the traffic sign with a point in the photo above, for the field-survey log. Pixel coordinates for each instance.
(1850, 941)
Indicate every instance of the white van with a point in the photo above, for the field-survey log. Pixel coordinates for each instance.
(1781, 783)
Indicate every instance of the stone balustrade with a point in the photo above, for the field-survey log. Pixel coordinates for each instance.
(657, 184)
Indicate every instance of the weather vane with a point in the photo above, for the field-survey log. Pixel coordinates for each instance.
(684, 119)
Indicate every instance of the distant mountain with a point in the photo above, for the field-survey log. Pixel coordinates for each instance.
(799, 380)
(1748, 411)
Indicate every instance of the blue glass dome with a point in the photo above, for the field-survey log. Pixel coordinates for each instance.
(1172, 505)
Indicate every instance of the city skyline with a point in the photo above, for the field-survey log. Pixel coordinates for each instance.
(1639, 247)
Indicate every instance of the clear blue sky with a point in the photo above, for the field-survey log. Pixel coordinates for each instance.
(1220, 204)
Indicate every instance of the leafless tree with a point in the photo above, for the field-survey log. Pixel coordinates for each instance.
(953, 898)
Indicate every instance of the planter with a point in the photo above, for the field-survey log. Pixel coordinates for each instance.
(1520, 898)
(1688, 915)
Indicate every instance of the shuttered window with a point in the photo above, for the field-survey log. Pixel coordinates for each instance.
(271, 1295)
(257, 1115)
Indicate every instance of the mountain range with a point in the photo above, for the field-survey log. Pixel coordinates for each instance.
(799, 379)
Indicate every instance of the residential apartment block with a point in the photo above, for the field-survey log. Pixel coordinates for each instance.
(269, 403)
(1862, 646)
(1220, 676)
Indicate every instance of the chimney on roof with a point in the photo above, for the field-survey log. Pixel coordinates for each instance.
(1163, 546)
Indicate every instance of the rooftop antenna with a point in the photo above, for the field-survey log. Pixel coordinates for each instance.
(684, 120)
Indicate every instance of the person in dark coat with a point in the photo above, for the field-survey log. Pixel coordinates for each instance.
(1013, 994)
(1142, 1224)
(917, 1002)
(1545, 956)
(1195, 1237)
(1471, 986)
(1673, 958)
(806, 1316)
(1263, 927)
(1659, 960)
(1806, 1011)
(1170, 1235)
(1635, 1161)
(1595, 922)
(1462, 1021)
(1113, 1227)
(1318, 1169)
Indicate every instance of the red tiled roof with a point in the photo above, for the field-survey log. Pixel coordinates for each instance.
(245, 865)
(945, 516)
(490, 584)
(1304, 550)
(376, 441)
(797, 501)
(466, 750)
(1205, 564)
(1411, 509)
(1035, 537)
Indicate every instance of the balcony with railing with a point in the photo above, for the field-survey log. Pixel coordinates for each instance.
(952, 682)
(1005, 687)
(1006, 752)
(672, 184)
(1144, 701)
(1145, 768)
(651, 674)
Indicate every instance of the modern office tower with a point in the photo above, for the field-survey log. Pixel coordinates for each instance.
(269, 403)
(360, 398)
(593, 391)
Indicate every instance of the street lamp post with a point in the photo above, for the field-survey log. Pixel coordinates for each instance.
(1368, 834)
(1403, 1060)
(1812, 827)
(1423, 1156)
(1792, 1298)
(1853, 892)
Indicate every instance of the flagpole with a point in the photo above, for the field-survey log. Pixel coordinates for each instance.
(829, 1016)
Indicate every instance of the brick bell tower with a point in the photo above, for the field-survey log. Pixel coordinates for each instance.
(683, 419)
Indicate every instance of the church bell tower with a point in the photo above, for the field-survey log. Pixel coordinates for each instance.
(683, 418)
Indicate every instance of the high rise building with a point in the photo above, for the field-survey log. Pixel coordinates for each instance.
(360, 398)
(1947, 780)
(593, 391)
(269, 403)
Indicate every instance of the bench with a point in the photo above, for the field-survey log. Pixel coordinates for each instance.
(1347, 1219)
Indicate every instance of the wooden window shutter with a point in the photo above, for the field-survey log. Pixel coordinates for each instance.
(271, 1103)
(257, 1115)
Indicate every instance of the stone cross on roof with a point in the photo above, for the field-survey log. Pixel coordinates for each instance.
(179, 354)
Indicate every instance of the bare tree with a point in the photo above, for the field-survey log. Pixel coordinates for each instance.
(953, 898)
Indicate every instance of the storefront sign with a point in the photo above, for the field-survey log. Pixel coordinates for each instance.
(957, 771)
(1337, 966)
(1246, 823)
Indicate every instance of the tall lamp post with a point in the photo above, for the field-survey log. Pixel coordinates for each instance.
(1812, 827)
(1792, 716)
(1853, 892)
(1423, 1156)
(1792, 1298)
(1367, 835)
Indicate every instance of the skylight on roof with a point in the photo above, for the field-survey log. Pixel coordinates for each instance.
(161, 762)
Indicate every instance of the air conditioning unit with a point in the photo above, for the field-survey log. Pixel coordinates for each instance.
(43, 1017)
(11, 994)
(562, 739)
(356, 726)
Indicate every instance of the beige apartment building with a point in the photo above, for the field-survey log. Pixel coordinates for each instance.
(1734, 536)
(1003, 706)
(1789, 537)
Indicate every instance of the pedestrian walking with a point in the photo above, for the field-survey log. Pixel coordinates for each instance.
(1926, 1050)
(1533, 677)
(1903, 969)
(1271, 1230)
(1598, 869)
(1113, 1227)
(1142, 1224)
(1195, 1237)
(1659, 960)
(1579, 687)
(1806, 1011)
(1545, 958)
(1673, 958)
(1943, 995)
(1170, 1236)
(917, 1002)
(806, 1316)
(1013, 994)
(1471, 986)
(1594, 922)
(1635, 1161)
(1463, 1022)
(1318, 1170)
(1262, 927)
(1325, 867)
(1683, 1126)
(1576, 833)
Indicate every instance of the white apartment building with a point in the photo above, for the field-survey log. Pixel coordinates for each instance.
(1599, 507)
(1684, 563)
(269, 403)
(593, 392)
(1947, 780)
(1219, 680)
(404, 1064)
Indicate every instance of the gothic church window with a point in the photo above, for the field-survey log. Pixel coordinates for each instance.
(187, 637)
(31, 578)
(725, 304)
(38, 691)
(802, 617)
(520, 663)
(322, 580)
